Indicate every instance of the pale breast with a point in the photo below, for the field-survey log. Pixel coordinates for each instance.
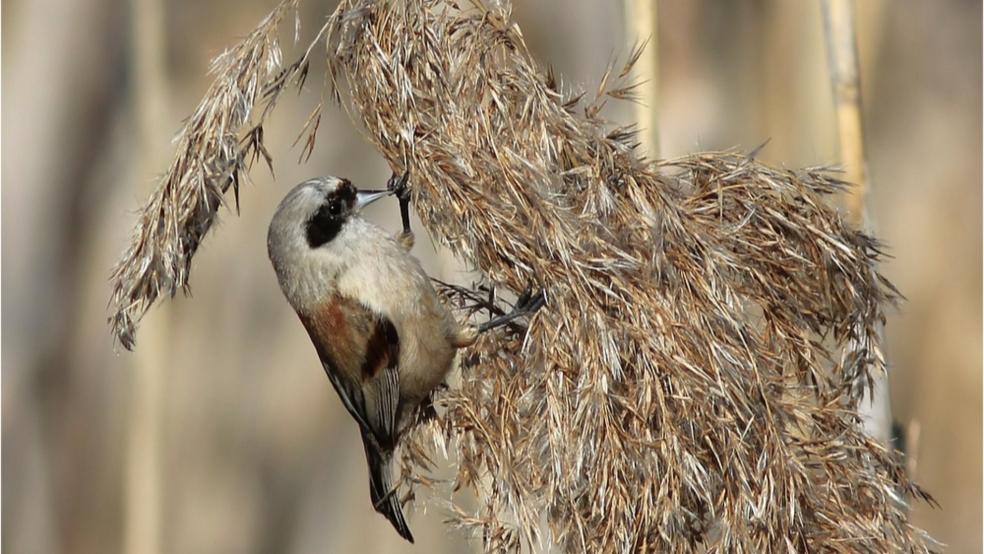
(391, 282)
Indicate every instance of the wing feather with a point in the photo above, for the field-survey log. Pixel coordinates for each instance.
(360, 351)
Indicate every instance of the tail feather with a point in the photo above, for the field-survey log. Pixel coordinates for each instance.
(383, 495)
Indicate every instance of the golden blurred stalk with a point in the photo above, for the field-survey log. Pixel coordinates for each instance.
(641, 24)
(142, 505)
(142, 490)
(842, 58)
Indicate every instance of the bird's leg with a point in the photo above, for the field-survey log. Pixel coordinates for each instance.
(465, 335)
(399, 186)
(526, 304)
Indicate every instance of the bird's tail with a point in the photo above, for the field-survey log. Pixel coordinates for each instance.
(383, 495)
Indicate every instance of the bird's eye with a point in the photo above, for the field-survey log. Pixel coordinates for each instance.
(325, 223)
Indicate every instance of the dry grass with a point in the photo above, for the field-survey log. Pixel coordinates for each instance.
(219, 140)
(693, 382)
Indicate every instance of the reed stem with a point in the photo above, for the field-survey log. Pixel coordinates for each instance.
(842, 56)
(143, 485)
(642, 25)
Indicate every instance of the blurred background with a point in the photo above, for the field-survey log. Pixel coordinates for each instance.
(221, 433)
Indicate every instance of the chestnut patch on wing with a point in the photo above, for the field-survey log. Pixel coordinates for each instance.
(352, 339)
(383, 348)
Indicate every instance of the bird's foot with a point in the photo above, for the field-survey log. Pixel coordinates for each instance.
(398, 184)
(527, 304)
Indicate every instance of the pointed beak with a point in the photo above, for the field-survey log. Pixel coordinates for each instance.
(365, 197)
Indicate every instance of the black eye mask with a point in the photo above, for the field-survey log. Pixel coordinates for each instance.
(325, 224)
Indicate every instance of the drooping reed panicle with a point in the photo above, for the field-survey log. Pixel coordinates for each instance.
(694, 379)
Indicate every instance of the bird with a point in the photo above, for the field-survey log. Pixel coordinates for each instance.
(384, 338)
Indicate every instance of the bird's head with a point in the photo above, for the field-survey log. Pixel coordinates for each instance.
(319, 208)
(317, 226)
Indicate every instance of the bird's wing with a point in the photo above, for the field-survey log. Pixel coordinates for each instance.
(360, 351)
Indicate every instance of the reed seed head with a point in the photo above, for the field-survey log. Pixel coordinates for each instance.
(712, 324)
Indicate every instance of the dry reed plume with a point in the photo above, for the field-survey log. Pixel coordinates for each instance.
(693, 382)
